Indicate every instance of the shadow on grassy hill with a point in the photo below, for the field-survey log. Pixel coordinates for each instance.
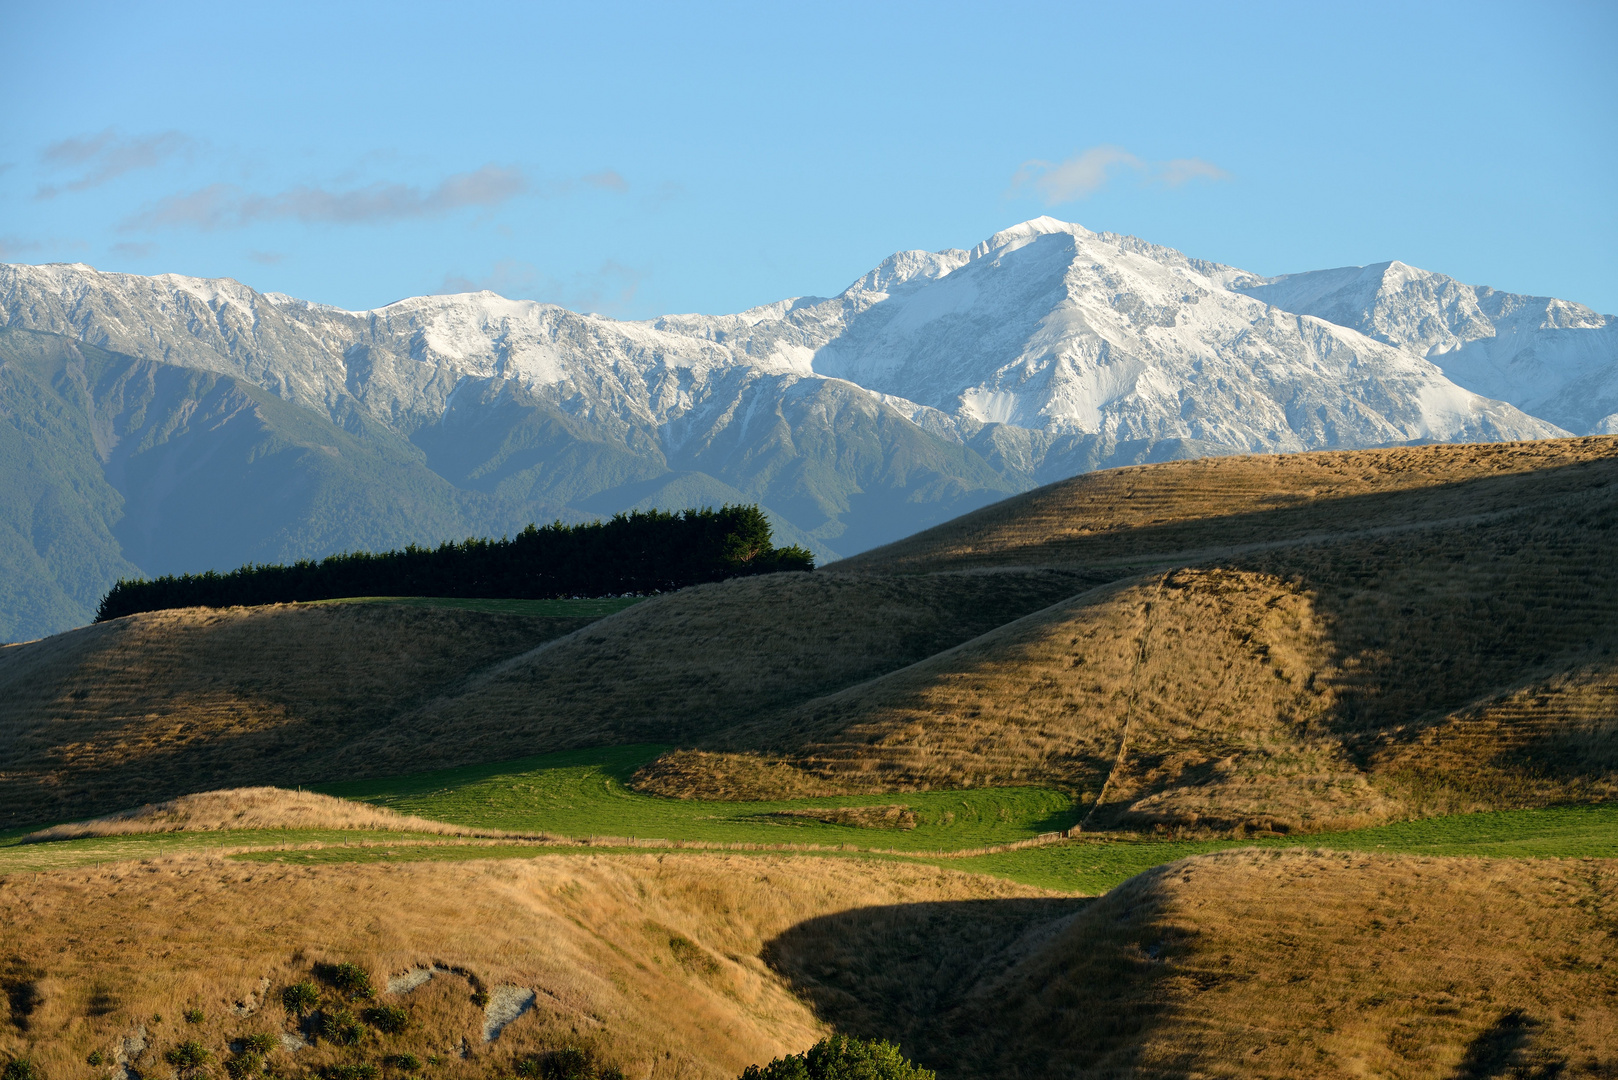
(1449, 664)
(1273, 964)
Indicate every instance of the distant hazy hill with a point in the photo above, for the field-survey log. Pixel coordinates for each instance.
(935, 384)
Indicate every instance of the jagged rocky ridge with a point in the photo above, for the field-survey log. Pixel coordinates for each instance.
(934, 384)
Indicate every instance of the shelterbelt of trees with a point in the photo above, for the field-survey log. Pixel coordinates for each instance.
(636, 553)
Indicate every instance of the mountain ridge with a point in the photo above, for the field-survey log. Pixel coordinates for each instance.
(934, 384)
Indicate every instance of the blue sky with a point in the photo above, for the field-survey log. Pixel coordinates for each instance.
(639, 159)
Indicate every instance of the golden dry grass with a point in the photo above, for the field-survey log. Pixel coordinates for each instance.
(250, 808)
(1183, 511)
(170, 702)
(1237, 644)
(679, 667)
(1245, 964)
(1451, 663)
(653, 961)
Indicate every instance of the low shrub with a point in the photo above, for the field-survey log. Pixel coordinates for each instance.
(260, 1042)
(193, 1016)
(190, 1054)
(350, 980)
(244, 1065)
(300, 997)
(388, 1019)
(568, 1063)
(95, 1058)
(341, 1027)
(402, 1062)
(21, 1069)
(841, 1058)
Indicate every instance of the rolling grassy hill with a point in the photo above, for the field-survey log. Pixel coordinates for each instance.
(1242, 963)
(161, 704)
(1254, 645)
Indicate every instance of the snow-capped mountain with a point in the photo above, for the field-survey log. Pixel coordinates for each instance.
(1552, 358)
(933, 384)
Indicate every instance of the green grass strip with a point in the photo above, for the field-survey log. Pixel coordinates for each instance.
(582, 793)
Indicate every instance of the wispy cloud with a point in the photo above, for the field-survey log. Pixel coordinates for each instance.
(1184, 170)
(266, 258)
(609, 289)
(134, 251)
(1088, 171)
(105, 156)
(12, 247)
(606, 180)
(223, 206)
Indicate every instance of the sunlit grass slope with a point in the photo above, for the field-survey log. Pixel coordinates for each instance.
(151, 706)
(1348, 639)
(1242, 964)
(1245, 963)
(651, 962)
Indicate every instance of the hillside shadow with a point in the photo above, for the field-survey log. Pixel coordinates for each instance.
(1506, 1048)
(1421, 603)
(898, 972)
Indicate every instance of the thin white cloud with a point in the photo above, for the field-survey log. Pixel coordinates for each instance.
(607, 180)
(104, 156)
(266, 258)
(13, 246)
(134, 251)
(1079, 176)
(1088, 171)
(225, 206)
(1184, 170)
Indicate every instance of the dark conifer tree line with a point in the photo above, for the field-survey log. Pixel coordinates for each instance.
(633, 554)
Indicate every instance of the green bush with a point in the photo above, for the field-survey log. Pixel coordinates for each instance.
(193, 1016)
(568, 1063)
(300, 997)
(243, 1065)
(21, 1069)
(350, 980)
(388, 1019)
(187, 1055)
(95, 1058)
(341, 1027)
(841, 1058)
(260, 1042)
(402, 1062)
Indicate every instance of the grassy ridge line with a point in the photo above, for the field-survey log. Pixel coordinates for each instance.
(566, 608)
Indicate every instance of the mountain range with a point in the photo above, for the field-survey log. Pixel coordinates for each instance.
(160, 424)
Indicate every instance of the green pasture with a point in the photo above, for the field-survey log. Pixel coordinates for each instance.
(583, 793)
(564, 608)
